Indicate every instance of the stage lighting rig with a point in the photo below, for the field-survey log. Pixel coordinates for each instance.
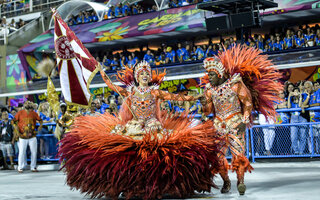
(237, 13)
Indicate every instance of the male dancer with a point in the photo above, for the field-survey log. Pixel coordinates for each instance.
(238, 81)
(231, 102)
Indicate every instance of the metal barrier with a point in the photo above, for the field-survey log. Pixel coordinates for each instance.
(262, 141)
(285, 140)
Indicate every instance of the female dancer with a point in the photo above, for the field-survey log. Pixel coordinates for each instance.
(142, 152)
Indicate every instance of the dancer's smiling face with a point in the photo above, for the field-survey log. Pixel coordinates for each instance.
(144, 78)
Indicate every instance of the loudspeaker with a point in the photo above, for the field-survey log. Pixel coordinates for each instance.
(246, 19)
(218, 23)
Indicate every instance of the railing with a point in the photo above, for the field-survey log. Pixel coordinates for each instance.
(15, 8)
(280, 140)
(290, 140)
(262, 141)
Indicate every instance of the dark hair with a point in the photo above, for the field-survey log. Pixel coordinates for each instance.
(4, 109)
(109, 97)
(286, 92)
(300, 82)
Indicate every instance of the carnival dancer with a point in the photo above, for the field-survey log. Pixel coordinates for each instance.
(141, 152)
(238, 81)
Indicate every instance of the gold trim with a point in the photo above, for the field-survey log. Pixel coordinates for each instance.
(88, 89)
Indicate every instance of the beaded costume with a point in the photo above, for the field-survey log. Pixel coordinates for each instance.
(251, 84)
(144, 102)
(144, 154)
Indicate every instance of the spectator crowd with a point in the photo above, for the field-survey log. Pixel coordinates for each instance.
(18, 7)
(126, 9)
(292, 139)
(186, 51)
(12, 24)
(10, 5)
(9, 27)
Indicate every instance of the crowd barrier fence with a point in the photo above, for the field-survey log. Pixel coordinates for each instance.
(292, 140)
(285, 140)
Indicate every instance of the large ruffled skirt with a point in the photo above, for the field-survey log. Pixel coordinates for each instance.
(103, 164)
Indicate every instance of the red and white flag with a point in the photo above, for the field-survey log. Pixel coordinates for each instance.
(76, 65)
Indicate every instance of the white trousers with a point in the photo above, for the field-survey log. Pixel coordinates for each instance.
(269, 135)
(23, 143)
(268, 132)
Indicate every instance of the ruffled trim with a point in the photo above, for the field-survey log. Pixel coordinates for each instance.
(240, 162)
(102, 164)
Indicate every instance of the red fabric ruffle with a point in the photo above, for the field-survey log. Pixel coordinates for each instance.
(102, 164)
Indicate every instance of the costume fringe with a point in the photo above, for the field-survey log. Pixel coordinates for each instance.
(102, 164)
(241, 162)
(126, 76)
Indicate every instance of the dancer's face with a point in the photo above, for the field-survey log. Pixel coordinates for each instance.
(214, 78)
(144, 78)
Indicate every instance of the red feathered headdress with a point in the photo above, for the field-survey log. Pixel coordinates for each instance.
(128, 75)
(258, 74)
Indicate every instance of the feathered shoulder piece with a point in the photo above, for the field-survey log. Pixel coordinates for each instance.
(126, 76)
(258, 74)
(157, 77)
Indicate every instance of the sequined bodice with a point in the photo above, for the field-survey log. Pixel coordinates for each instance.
(143, 104)
(226, 101)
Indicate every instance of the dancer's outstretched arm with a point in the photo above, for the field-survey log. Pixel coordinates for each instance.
(112, 86)
(160, 94)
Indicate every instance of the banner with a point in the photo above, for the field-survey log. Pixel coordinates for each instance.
(124, 27)
(292, 5)
(76, 65)
(16, 75)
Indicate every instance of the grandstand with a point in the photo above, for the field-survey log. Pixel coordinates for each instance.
(175, 35)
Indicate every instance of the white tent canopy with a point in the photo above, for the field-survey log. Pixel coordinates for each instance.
(73, 7)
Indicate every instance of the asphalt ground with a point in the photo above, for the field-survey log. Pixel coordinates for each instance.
(281, 181)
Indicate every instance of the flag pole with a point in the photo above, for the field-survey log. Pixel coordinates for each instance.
(123, 100)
